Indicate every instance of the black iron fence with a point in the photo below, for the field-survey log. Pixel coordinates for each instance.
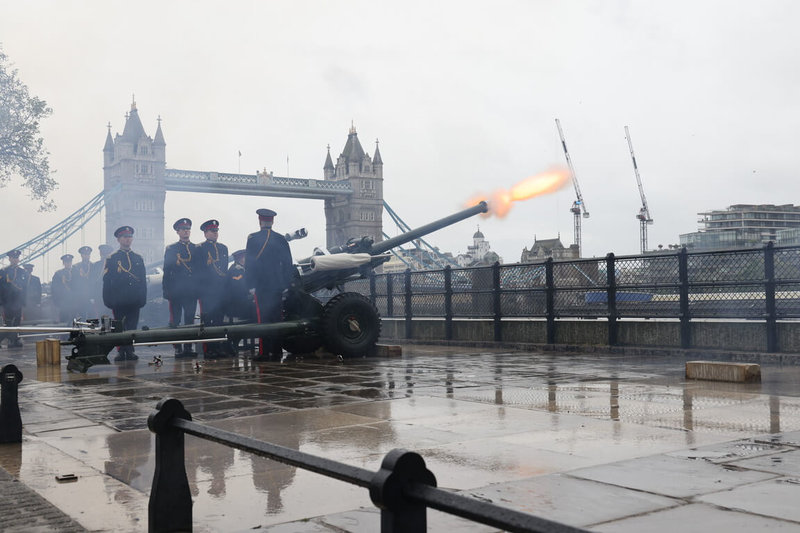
(754, 283)
(403, 488)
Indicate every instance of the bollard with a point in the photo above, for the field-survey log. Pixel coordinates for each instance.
(170, 507)
(10, 420)
(399, 514)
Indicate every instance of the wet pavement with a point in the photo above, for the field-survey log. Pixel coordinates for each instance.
(607, 443)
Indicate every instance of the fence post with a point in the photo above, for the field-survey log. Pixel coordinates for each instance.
(769, 293)
(399, 514)
(611, 275)
(10, 419)
(372, 286)
(496, 302)
(448, 302)
(389, 294)
(170, 507)
(683, 289)
(408, 303)
(550, 298)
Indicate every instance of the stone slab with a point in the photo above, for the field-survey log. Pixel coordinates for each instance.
(695, 518)
(719, 371)
(671, 476)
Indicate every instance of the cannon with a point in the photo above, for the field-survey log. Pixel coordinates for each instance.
(348, 324)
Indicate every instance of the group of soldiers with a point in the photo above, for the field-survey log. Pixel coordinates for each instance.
(198, 274)
(193, 274)
(19, 289)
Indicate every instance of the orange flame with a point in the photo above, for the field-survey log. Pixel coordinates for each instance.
(501, 201)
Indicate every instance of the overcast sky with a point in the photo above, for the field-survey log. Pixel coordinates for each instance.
(462, 96)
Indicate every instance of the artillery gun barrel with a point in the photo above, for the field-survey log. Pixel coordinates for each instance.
(388, 244)
(188, 334)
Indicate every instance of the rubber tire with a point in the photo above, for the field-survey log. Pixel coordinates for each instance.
(339, 337)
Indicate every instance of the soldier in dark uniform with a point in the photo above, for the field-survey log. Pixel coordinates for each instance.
(125, 287)
(238, 301)
(61, 290)
(179, 283)
(98, 268)
(212, 269)
(33, 294)
(270, 271)
(82, 284)
(13, 285)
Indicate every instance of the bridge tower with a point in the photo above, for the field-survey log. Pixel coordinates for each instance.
(133, 167)
(361, 213)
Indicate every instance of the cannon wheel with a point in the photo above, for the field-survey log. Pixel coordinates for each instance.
(351, 325)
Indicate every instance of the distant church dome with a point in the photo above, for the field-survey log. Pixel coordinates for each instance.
(478, 234)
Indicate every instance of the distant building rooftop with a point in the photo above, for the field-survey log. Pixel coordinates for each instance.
(741, 226)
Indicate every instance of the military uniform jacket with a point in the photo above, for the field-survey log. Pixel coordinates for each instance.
(61, 287)
(124, 280)
(13, 285)
(236, 292)
(33, 292)
(180, 271)
(96, 275)
(268, 262)
(82, 281)
(212, 268)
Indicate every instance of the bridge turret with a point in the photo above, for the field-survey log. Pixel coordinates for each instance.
(329, 169)
(108, 149)
(377, 162)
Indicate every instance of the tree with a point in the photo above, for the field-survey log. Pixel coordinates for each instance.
(22, 151)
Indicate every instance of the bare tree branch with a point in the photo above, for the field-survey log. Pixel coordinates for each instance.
(22, 151)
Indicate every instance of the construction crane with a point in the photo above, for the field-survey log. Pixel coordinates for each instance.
(644, 213)
(578, 205)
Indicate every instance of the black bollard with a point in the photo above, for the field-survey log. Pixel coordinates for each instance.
(399, 514)
(10, 420)
(170, 507)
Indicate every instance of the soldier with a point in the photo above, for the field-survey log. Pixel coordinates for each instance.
(179, 282)
(238, 301)
(61, 290)
(125, 287)
(82, 284)
(105, 250)
(270, 271)
(33, 294)
(212, 269)
(13, 284)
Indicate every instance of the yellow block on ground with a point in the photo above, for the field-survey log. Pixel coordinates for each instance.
(717, 371)
(48, 352)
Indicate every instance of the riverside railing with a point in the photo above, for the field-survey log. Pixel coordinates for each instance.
(403, 488)
(753, 283)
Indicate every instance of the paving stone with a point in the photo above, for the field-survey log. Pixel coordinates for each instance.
(696, 518)
(671, 476)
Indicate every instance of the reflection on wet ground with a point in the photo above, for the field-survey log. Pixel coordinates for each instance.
(595, 441)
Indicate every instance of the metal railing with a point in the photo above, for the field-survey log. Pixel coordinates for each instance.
(403, 488)
(754, 284)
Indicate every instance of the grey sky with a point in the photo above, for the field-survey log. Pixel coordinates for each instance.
(462, 95)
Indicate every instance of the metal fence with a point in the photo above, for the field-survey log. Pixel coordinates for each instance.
(403, 488)
(754, 283)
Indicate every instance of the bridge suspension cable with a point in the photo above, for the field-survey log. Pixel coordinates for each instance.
(58, 234)
(429, 256)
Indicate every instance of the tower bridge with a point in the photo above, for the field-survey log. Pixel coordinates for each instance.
(134, 166)
(136, 180)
